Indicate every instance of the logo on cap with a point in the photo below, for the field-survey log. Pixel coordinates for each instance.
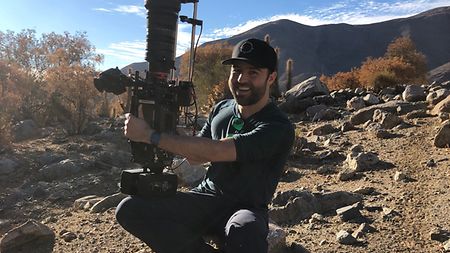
(247, 47)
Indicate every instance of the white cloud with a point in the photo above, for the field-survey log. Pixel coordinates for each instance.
(128, 51)
(125, 9)
(102, 9)
(349, 11)
(134, 51)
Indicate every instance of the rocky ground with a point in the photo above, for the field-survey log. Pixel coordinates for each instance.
(388, 166)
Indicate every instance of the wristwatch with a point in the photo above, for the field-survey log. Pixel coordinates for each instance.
(155, 137)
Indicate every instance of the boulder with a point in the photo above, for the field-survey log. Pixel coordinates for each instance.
(361, 161)
(385, 119)
(324, 130)
(108, 202)
(296, 105)
(291, 206)
(442, 138)
(437, 96)
(189, 175)
(315, 109)
(344, 237)
(308, 88)
(356, 103)
(371, 99)
(365, 114)
(414, 93)
(31, 236)
(26, 129)
(61, 169)
(443, 106)
(350, 212)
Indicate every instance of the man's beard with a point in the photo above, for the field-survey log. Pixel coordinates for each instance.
(251, 97)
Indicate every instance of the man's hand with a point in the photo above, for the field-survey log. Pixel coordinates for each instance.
(137, 129)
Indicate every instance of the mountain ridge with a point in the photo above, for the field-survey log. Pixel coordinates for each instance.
(331, 48)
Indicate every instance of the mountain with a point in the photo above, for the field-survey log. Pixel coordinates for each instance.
(328, 49)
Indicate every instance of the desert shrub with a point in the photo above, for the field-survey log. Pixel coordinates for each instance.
(401, 64)
(342, 80)
(384, 72)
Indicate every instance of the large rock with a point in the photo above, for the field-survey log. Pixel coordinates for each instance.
(385, 119)
(414, 93)
(308, 88)
(395, 106)
(61, 169)
(365, 114)
(437, 96)
(7, 166)
(443, 106)
(291, 206)
(356, 103)
(371, 99)
(296, 105)
(108, 202)
(189, 175)
(324, 130)
(361, 161)
(29, 237)
(442, 138)
(26, 129)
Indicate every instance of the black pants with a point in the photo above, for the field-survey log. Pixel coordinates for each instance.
(178, 224)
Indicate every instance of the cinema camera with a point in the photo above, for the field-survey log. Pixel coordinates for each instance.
(165, 102)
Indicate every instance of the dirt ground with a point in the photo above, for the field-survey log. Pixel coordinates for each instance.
(422, 203)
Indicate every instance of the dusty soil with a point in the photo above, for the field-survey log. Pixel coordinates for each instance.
(422, 203)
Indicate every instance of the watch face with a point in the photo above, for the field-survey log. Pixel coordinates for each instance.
(154, 138)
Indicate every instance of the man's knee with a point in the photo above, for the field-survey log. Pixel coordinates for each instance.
(246, 230)
(125, 210)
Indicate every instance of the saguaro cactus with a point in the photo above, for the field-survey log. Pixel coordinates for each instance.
(274, 90)
(289, 67)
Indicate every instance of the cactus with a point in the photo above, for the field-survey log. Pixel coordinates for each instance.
(267, 39)
(289, 67)
(274, 90)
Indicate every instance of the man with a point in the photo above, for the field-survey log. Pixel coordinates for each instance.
(247, 140)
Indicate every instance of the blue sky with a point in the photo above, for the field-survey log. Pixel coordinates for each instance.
(118, 28)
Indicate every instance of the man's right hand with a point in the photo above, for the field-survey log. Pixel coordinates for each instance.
(137, 129)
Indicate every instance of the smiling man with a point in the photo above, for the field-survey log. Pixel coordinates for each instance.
(247, 140)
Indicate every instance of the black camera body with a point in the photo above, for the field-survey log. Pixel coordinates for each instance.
(146, 185)
(163, 101)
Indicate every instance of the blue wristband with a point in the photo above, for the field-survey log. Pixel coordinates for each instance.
(154, 138)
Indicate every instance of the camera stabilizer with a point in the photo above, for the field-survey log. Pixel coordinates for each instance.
(165, 102)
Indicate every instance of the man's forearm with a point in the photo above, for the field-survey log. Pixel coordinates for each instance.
(198, 148)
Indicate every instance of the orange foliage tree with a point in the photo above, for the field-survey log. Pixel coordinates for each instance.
(40, 75)
(208, 71)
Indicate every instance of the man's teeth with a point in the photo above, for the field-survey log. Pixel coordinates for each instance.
(244, 88)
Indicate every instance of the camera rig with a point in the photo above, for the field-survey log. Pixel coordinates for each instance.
(165, 102)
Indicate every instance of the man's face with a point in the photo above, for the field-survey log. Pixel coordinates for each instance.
(249, 84)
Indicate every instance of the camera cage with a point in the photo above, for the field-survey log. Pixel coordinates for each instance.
(166, 103)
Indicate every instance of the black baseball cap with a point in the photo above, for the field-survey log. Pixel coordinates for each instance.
(255, 52)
